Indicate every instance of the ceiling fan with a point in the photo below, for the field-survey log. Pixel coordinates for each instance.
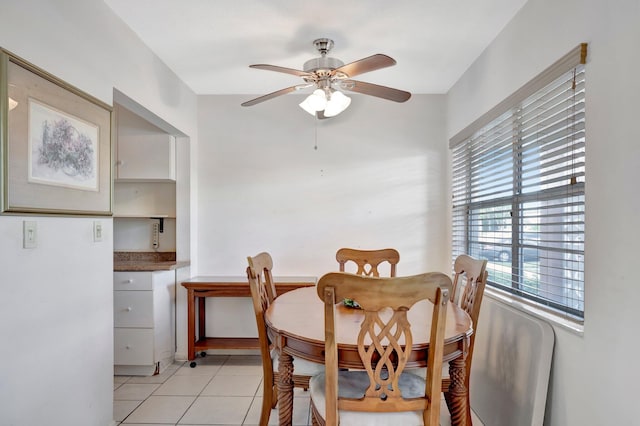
(328, 75)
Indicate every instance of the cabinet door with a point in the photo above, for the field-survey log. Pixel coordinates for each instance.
(143, 151)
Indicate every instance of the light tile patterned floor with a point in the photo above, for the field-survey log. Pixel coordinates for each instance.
(221, 390)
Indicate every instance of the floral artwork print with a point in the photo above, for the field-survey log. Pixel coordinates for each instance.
(63, 148)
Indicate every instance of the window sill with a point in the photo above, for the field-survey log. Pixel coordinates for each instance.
(535, 310)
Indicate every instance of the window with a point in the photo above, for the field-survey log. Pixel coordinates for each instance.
(518, 189)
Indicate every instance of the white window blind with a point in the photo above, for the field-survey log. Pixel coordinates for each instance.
(518, 189)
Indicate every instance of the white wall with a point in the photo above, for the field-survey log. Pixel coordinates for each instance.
(56, 308)
(594, 378)
(376, 180)
(56, 323)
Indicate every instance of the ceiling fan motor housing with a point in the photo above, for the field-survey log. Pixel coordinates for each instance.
(322, 63)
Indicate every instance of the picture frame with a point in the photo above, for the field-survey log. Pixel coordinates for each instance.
(55, 144)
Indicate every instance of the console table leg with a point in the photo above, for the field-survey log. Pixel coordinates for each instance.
(285, 389)
(202, 333)
(191, 325)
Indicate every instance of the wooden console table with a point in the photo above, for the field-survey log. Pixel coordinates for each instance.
(199, 288)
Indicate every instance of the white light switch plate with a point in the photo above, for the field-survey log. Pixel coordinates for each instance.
(97, 231)
(29, 234)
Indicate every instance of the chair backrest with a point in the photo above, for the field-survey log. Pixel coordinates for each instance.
(262, 263)
(257, 271)
(368, 260)
(385, 339)
(473, 273)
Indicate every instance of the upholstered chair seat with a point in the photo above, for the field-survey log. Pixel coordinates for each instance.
(353, 384)
(302, 367)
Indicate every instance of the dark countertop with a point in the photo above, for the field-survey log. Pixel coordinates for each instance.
(146, 261)
(148, 266)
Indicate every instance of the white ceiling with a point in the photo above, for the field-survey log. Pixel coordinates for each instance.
(210, 44)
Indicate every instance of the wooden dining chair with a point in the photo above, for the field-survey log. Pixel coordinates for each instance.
(368, 260)
(263, 292)
(469, 281)
(381, 394)
(262, 263)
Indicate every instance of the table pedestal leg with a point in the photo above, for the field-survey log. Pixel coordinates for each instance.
(457, 396)
(285, 389)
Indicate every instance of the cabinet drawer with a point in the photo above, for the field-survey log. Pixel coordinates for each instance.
(133, 346)
(132, 281)
(133, 309)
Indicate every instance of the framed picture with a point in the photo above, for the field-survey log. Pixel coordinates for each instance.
(55, 144)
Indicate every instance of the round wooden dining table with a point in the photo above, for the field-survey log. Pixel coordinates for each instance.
(295, 322)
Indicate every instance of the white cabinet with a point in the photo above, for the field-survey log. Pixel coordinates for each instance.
(143, 151)
(144, 322)
(144, 199)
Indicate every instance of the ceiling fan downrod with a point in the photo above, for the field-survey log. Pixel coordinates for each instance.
(324, 45)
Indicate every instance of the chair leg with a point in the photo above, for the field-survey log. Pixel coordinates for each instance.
(269, 401)
(265, 413)
(432, 415)
(316, 419)
(274, 397)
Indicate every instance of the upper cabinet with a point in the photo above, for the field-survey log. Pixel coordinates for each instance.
(143, 151)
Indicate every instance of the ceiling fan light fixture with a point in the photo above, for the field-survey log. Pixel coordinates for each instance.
(338, 103)
(325, 73)
(317, 101)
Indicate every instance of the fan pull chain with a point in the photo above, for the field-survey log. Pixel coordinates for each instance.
(315, 128)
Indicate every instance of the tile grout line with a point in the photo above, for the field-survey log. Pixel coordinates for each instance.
(244, 419)
(136, 407)
(228, 357)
